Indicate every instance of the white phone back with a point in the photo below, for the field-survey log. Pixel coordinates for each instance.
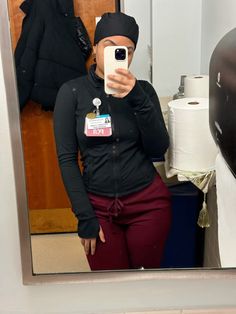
(110, 64)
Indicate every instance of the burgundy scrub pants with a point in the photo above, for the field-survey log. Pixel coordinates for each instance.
(135, 228)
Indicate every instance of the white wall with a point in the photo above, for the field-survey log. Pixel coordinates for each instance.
(182, 35)
(218, 17)
(185, 34)
(176, 30)
(142, 59)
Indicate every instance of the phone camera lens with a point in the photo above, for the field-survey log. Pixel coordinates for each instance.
(120, 54)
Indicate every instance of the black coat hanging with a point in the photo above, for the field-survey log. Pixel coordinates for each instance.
(49, 51)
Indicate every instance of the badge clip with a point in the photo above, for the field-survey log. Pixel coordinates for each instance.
(97, 103)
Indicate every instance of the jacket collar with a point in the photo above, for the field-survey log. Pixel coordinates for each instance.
(94, 78)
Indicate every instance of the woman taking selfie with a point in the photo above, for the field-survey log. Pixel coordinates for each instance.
(122, 205)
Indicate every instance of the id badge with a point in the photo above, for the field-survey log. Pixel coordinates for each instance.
(98, 126)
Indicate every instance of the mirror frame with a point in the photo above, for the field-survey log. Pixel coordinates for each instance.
(28, 276)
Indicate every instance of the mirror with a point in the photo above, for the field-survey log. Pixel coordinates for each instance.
(65, 240)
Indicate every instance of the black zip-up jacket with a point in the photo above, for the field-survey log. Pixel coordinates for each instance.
(48, 52)
(113, 166)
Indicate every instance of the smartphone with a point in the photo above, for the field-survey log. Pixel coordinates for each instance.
(114, 57)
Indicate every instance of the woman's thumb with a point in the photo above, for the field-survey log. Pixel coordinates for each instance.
(101, 235)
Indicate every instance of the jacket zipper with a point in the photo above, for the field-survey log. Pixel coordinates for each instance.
(114, 151)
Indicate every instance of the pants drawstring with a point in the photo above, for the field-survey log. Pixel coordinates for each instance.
(115, 208)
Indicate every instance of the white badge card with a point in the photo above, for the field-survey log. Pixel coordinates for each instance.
(98, 126)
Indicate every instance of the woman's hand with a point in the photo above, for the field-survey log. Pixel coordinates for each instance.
(90, 244)
(123, 82)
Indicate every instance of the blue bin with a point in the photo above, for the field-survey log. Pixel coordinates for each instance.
(185, 243)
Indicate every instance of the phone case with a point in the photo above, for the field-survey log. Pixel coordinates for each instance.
(111, 63)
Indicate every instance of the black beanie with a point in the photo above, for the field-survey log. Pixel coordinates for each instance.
(116, 24)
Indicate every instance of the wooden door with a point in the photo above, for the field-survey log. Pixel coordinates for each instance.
(48, 204)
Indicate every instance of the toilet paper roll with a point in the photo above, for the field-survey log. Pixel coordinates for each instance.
(196, 86)
(192, 147)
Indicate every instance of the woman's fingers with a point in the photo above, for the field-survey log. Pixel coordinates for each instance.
(82, 241)
(122, 89)
(118, 79)
(123, 77)
(119, 87)
(93, 246)
(123, 81)
(125, 73)
(89, 245)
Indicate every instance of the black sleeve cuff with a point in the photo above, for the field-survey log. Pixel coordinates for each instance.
(88, 228)
(136, 96)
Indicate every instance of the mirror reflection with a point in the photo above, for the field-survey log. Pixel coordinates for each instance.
(130, 214)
